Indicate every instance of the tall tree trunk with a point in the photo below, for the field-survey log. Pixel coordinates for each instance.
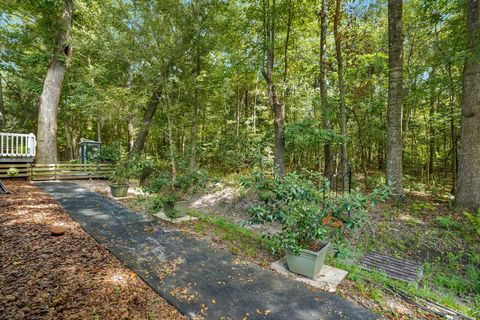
(196, 112)
(395, 97)
(341, 88)
(468, 183)
(2, 107)
(52, 87)
(171, 148)
(237, 113)
(432, 131)
(255, 106)
(130, 134)
(142, 136)
(327, 149)
(287, 41)
(68, 139)
(453, 138)
(99, 128)
(278, 108)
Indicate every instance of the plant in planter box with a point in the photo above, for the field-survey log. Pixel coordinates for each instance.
(309, 217)
(177, 203)
(167, 204)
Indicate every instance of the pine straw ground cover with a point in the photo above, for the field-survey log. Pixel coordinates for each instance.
(65, 277)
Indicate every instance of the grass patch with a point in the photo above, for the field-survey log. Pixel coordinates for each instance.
(239, 240)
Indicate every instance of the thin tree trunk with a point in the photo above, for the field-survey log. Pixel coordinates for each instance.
(395, 97)
(327, 149)
(287, 39)
(2, 107)
(196, 111)
(142, 136)
(238, 112)
(76, 150)
(432, 132)
(52, 87)
(68, 139)
(278, 107)
(172, 148)
(341, 88)
(130, 134)
(99, 128)
(453, 139)
(255, 106)
(468, 183)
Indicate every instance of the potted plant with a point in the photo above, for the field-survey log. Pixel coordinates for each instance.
(171, 207)
(309, 217)
(126, 168)
(119, 182)
(303, 236)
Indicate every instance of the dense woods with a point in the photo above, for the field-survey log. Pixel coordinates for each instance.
(230, 85)
(248, 111)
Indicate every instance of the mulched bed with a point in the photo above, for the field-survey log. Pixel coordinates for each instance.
(63, 277)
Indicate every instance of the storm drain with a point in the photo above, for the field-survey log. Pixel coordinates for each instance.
(396, 268)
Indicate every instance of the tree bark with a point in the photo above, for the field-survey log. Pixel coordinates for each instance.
(130, 134)
(432, 130)
(52, 87)
(142, 136)
(468, 183)
(278, 108)
(68, 139)
(395, 97)
(171, 149)
(327, 149)
(195, 114)
(341, 88)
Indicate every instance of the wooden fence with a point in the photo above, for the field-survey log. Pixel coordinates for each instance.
(59, 171)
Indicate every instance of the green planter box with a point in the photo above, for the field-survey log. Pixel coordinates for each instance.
(308, 263)
(179, 209)
(119, 190)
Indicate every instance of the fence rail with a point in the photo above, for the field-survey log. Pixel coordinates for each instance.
(59, 171)
(17, 145)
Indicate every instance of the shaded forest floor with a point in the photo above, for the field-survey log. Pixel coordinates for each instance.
(422, 227)
(65, 277)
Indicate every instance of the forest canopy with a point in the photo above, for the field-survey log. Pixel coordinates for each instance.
(229, 85)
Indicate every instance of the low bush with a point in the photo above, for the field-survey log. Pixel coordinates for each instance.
(307, 211)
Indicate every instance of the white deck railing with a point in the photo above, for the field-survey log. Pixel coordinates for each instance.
(17, 145)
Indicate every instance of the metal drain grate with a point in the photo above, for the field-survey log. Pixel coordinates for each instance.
(399, 269)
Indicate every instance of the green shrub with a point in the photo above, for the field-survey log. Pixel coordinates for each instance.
(158, 181)
(111, 153)
(192, 181)
(474, 220)
(307, 212)
(127, 167)
(447, 223)
(159, 201)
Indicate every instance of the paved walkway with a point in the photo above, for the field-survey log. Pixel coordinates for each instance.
(196, 278)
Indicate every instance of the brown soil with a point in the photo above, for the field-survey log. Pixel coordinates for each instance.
(63, 277)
